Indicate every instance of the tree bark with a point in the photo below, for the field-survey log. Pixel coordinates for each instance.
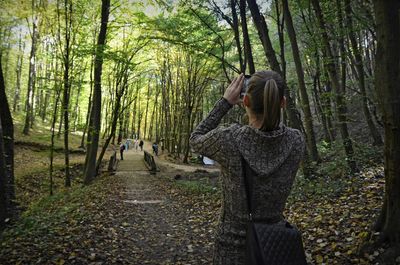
(8, 143)
(53, 125)
(280, 27)
(147, 110)
(235, 26)
(32, 76)
(387, 85)
(94, 125)
(3, 181)
(116, 117)
(248, 54)
(67, 84)
(305, 104)
(20, 58)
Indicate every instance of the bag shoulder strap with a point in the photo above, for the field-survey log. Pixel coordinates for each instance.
(248, 186)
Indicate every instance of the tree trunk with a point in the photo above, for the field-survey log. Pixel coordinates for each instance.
(139, 116)
(82, 145)
(20, 58)
(60, 124)
(78, 94)
(340, 100)
(66, 90)
(94, 125)
(32, 77)
(53, 124)
(280, 28)
(387, 85)
(361, 75)
(316, 87)
(110, 136)
(235, 26)
(147, 110)
(135, 111)
(305, 104)
(248, 54)
(154, 115)
(3, 181)
(89, 108)
(7, 143)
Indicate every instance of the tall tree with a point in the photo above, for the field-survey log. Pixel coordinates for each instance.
(359, 64)
(341, 106)
(387, 85)
(3, 181)
(20, 57)
(95, 114)
(235, 26)
(7, 142)
(305, 104)
(67, 61)
(248, 55)
(32, 71)
(57, 92)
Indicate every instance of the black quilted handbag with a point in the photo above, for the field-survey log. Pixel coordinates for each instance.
(270, 242)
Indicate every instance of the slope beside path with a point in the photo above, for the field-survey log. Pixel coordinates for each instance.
(131, 217)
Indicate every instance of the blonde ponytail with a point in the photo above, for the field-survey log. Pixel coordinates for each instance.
(272, 106)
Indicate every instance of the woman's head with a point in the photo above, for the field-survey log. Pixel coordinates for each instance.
(265, 98)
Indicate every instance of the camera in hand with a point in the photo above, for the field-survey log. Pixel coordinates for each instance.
(245, 85)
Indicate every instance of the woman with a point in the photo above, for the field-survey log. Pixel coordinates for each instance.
(271, 149)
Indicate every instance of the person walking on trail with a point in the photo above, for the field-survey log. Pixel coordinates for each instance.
(136, 144)
(270, 149)
(155, 149)
(126, 145)
(141, 143)
(121, 150)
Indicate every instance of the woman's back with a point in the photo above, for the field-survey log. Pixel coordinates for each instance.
(272, 151)
(274, 158)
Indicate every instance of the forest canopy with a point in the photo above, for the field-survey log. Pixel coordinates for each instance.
(89, 75)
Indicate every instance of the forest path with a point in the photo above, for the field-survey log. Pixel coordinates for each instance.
(158, 227)
(162, 161)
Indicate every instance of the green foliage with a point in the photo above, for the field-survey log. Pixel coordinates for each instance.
(201, 186)
(334, 161)
(314, 187)
(44, 215)
(368, 155)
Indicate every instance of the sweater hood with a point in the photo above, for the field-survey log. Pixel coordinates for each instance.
(271, 148)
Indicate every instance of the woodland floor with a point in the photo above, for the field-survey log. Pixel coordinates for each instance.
(133, 217)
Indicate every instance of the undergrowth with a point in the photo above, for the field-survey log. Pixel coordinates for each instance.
(197, 186)
(46, 214)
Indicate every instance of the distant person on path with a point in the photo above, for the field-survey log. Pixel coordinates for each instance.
(126, 145)
(141, 143)
(155, 149)
(121, 150)
(270, 149)
(136, 144)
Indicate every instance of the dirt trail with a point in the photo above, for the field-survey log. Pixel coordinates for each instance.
(163, 229)
(168, 166)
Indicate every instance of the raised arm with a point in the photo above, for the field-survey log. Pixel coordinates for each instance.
(206, 138)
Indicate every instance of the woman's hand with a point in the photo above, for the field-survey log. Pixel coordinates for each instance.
(232, 93)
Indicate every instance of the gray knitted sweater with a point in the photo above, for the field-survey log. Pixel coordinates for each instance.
(274, 156)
